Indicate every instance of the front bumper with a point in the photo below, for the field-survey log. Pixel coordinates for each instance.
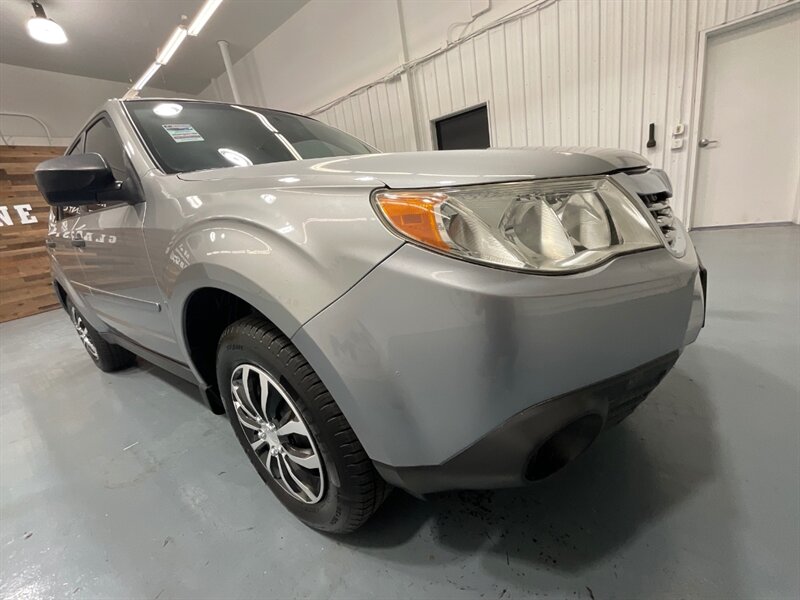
(428, 354)
(517, 451)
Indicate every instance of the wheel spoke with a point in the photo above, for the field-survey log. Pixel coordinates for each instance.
(268, 463)
(258, 444)
(248, 400)
(309, 461)
(283, 475)
(287, 467)
(244, 403)
(262, 378)
(245, 419)
(90, 347)
(292, 426)
(239, 404)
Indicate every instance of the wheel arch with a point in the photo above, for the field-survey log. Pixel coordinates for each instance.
(203, 308)
(61, 293)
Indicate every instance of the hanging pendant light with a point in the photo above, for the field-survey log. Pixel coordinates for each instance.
(43, 29)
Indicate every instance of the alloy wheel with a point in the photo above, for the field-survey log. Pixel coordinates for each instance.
(277, 433)
(83, 332)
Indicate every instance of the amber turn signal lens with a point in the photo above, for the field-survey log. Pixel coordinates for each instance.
(414, 215)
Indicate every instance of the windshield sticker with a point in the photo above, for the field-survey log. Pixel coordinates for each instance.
(183, 133)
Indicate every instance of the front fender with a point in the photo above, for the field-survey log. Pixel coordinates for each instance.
(287, 251)
(286, 281)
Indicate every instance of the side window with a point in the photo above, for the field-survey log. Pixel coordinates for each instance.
(77, 146)
(65, 212)
(102, 138)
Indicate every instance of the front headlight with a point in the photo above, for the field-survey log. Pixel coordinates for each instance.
(554, 226)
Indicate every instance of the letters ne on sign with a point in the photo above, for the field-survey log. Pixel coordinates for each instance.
(24, 215)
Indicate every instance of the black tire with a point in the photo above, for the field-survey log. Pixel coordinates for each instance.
(108, 357)
(353, 490)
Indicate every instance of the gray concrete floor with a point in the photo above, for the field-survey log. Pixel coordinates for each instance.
(124, 486)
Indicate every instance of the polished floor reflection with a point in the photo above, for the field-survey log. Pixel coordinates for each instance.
(125, 486)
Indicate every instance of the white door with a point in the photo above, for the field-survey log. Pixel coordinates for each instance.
(749, 150)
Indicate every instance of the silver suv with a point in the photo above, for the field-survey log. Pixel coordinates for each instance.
(426, 320)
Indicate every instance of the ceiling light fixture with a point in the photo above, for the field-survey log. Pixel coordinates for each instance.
(43, 29)
(146, 76)
(203, 15)
(173, 43)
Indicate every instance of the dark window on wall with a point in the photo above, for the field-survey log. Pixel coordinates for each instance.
(466, 130)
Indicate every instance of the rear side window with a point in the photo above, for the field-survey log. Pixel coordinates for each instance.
(191, 136)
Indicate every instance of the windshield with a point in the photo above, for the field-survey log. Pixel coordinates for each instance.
(190, 136)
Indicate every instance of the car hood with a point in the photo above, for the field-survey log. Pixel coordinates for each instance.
(434, 169)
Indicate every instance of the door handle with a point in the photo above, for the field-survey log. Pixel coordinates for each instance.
(705, 142)
(50, 243)
(79, 243)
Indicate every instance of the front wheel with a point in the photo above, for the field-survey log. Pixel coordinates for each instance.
(292, 430)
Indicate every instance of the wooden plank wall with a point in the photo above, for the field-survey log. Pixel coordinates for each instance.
(25, 287)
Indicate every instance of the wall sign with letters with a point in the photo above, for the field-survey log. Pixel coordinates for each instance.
(18, 214)
(25, 284)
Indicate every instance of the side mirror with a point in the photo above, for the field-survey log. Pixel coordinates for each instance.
(75, 180)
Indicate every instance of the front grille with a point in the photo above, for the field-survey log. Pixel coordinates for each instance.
(658, 205)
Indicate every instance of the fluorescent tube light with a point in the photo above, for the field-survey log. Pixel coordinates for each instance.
(151, 70)
(203, 15)
(173, 43)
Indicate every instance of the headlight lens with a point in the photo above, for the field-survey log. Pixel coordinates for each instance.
(544, 226)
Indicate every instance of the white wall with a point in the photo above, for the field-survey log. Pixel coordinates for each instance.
(589, 72)
(323, 50)
(328, 48)
(63, 102)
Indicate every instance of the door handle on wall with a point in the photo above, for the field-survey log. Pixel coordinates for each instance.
(651, 136)
(705, 142)
(79, 243)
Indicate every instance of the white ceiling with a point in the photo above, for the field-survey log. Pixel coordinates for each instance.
(118, 39)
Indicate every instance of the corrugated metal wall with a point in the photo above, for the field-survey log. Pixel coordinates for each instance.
(380, 115)
(575, 72)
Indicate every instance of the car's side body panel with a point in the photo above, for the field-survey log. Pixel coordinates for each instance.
(118, 282)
